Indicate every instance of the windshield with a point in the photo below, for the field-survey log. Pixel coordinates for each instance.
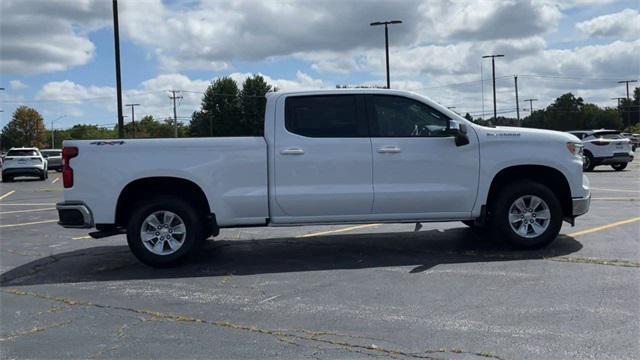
(22, 153)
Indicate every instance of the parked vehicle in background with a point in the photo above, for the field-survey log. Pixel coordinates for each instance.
(635, 139)
(54, 158)
(24, 162)
(327, 157)
(604, 147)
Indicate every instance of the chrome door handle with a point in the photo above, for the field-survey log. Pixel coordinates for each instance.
(389, 149)
(292, 151)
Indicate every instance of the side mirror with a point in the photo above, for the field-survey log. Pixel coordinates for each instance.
(459, 132)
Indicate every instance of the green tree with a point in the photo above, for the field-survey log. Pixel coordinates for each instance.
(220, 113)
(26, 128)
(90, 132)
(630, 110)
(253, 103)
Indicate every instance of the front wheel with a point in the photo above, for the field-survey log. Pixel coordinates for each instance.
(619, 166)
(527, 214)
(162, 232)
(587, 162)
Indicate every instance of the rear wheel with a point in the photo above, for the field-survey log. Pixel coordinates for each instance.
(7, 178)
(619, 166)
(587, 162)
(527, 214)
(164, 231)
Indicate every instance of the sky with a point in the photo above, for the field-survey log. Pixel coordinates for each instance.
(57, 56)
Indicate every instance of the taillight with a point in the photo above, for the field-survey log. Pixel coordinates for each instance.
(67, 172)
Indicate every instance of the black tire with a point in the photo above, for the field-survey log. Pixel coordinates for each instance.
(619, 166)
(7, 178)
(43, 175)
(192, 220)
(587, 162)
(500, 211)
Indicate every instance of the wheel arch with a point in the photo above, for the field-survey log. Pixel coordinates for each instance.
(552, 178)
(166, 185)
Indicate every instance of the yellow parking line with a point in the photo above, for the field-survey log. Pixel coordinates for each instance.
(23, 211)
(7, 194)
(85, 237)
(338, 230)
(616, 190)
(604, 227)
(32, 204)
(29, 223)
(55, 180)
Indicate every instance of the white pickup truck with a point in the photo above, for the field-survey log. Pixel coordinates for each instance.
(327, 157)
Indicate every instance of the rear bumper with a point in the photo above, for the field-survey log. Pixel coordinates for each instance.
(22, 172)
(581, 205)
(617, 158)
(74, 215)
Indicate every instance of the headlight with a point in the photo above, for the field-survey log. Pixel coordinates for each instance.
(575, 148)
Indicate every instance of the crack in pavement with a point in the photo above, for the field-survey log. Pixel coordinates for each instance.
(590, 260)
(303, 335)
(34, 330)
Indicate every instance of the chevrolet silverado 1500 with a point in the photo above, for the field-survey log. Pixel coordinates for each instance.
(327, 157)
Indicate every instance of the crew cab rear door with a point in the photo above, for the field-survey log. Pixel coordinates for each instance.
(417, 168)
(322, 159)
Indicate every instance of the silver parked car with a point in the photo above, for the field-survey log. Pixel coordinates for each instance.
(54, 158)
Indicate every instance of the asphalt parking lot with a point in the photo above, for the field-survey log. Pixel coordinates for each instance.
(325, 292)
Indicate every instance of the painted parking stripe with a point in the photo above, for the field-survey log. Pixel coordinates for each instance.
(85, 237)
(616, 190)
(604, 227)
(55, 180)
(339, 230)
(7, 195)
(29, 223)
(24, 211)
(31, 204)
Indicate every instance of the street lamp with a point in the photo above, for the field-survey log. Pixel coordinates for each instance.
(386, 42)
(52, 131)
(493, 68)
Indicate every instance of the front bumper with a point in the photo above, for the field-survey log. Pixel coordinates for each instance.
(74, 215)
(581, 205)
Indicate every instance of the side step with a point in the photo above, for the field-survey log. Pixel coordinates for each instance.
(106, 233)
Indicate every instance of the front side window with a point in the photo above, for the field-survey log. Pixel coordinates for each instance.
(396, 116)
(334, 116)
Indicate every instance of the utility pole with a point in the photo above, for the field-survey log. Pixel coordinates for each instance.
(175, 114)
(493, 68)
(530, 105)
(133, 118)
(116, 39)
(52, 131)
(515, 78)
(627, 82)
(386, 42)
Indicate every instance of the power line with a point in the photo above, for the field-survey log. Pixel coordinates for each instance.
(627, 83)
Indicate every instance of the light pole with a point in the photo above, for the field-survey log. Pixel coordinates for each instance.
(493, 68)
(386, 42)
(53, 144)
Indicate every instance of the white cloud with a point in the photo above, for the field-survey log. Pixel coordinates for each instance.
(17, 85)
(41, 36)
(624, 25)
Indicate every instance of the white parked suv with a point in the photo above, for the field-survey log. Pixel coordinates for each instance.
(24, 162)
(605, 147)
(327, 157)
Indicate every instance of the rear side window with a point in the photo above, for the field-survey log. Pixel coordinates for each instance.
(396, 116)
(22, 153)
(334, 116)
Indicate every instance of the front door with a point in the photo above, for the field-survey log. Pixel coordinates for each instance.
(417, 168)
(323, 164)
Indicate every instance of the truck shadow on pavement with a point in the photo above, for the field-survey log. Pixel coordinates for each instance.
(419, 251)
